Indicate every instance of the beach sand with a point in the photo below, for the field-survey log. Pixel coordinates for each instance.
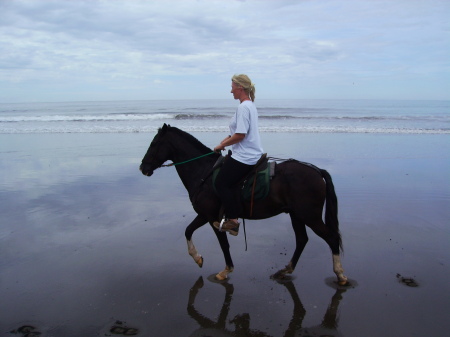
(91, 247)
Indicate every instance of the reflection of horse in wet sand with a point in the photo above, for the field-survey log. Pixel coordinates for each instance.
(209, 327)
(297, 188)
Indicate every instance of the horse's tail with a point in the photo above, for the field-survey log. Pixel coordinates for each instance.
(331, 206)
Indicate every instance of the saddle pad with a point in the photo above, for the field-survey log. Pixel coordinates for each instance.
(262, 186)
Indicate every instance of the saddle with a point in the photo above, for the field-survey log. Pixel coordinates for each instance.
(256, 185)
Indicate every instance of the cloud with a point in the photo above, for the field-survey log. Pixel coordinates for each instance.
(101, 42)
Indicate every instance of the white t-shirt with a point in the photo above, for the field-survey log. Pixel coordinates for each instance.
(245, 120)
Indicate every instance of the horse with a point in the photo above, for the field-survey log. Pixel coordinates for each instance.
(297, 188)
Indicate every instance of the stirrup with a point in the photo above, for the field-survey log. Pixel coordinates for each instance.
(221, 224)
(232, 230)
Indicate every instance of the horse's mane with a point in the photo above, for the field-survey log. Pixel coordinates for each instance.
(189, 138)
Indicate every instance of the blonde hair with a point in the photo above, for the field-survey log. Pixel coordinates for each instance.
(245, 82)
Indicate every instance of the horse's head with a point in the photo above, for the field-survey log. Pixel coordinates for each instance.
(158, 152)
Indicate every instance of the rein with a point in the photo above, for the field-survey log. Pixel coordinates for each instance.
(189, 160)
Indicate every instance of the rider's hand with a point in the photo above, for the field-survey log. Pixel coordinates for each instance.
(219, 148)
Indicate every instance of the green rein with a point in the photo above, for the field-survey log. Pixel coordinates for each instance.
(187, 161)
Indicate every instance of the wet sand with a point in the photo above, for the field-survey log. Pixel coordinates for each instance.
(91, 247)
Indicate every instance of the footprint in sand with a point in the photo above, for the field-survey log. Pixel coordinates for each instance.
(407, 281)
(26, 331)
(120, 329)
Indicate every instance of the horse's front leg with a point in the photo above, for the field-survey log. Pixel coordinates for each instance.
(225, 246)
(193, 226)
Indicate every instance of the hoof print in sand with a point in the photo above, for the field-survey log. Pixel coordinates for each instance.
(120, 329)
(407, 281)
(27, 331)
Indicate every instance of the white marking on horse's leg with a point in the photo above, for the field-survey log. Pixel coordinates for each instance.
(193, 252)
(224, 273)
(338, 270)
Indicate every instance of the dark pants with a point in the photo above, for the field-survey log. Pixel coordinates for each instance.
(229, 175)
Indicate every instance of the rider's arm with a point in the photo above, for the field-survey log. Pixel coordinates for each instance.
(230, 140)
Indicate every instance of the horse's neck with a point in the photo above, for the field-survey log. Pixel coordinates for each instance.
(194, 170)
(191, 176)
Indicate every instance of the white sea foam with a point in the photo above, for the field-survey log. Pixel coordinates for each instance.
(223, 129)
(87, 118)
(399, 117)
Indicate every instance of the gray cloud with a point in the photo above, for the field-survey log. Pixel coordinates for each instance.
(132, 43)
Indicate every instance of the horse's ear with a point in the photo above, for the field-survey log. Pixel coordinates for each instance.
(164, 127)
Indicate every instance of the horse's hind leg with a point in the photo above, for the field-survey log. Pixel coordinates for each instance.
(333, 239)
(338, 270)
(194, 225)
(301, 238)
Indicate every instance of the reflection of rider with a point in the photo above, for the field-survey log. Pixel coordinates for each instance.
(328, 327)
(246, 149)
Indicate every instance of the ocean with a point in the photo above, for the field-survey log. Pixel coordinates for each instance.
(301, 116)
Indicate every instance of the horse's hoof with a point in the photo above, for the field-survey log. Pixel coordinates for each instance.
(223, 275)
(220, 277)
(282, 274)
(200, 261)
(277, 276)
(342, 281)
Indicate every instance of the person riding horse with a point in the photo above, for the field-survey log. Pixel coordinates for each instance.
(246, 150)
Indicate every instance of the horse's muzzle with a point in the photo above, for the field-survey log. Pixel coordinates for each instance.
(146, 170)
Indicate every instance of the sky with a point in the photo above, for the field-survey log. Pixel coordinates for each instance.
(89, 50)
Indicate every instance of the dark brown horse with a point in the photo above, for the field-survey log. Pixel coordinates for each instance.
(297, 188)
